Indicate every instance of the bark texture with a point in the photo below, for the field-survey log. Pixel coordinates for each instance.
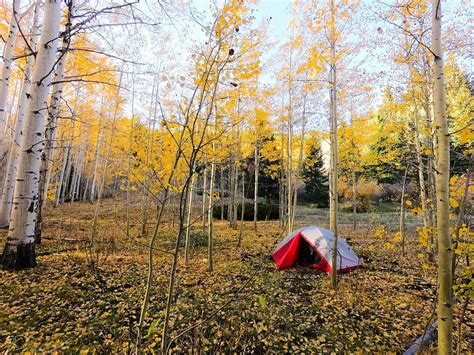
(445, 280)
(19, 250)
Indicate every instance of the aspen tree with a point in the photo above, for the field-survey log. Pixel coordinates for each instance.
(210, 208)
(12, 162)
(19, 250)
(52, 122)
(129, 163)
(445, 281)
(104, 176)
(242, 212)
(256, 175)
(204, 194)
(402, 211)
(333, 191)
(188, 220)
(289, 151)
(8, 52)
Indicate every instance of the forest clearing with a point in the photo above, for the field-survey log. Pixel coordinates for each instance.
(236, 176)
(246, 305)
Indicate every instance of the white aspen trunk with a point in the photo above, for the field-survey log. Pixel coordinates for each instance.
(149, 153)
(96, 160)
(188, 220)
(235, 180)
(429, 144)
(78, 170)
(242, 211)
(255, 193)
(69, 165)
(8, 52)
(354, 177)
(12, 163)
(402, 211)
(222, 186)
(445, 252)
(19, 250)
(84, 192)
(354, 199)
(204, 194)
(289, 152)
(300, 161)
(104, 176)
(50, 133)
(231, 205)
(147, 182)
(289, 180)
(10, 120)
(281, 186)
(423, 195)
(210, 208)
(61, 175)
(53, 115)
(236, 189)
(76, 194)
(333, 147)
(129, 168)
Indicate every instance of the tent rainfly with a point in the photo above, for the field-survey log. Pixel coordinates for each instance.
(312, 247)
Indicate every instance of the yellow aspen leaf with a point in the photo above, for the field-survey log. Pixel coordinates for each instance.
(453, 203)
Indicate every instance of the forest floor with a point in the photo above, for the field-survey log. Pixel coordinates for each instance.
(245, 305)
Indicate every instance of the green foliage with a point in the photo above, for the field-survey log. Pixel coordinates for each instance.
(315, 178)
(265, 211)
(197, 238)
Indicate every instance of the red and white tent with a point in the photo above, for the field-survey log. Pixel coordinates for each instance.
(312, 246)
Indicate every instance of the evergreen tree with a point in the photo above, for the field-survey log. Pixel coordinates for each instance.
(316, 178)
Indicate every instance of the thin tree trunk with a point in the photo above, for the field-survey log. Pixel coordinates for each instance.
(255, 193)
(300, 160)
(445, 277)
(423, 196)
(61, 175)
(354, 199)
(19, 250)
(242, 211)
(96, 157)
(281, 185)
(210, 209)
(289, 151)
(222, 192)
(188, 220)
(204, 195)
(402, 211)
(129, 169)
(104, 176)
(230, 209)
(462, 207)
(334, 159)
(69, 164)
(461, 321)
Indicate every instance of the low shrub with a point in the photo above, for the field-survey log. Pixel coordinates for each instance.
(197, 238)
(265, 211)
